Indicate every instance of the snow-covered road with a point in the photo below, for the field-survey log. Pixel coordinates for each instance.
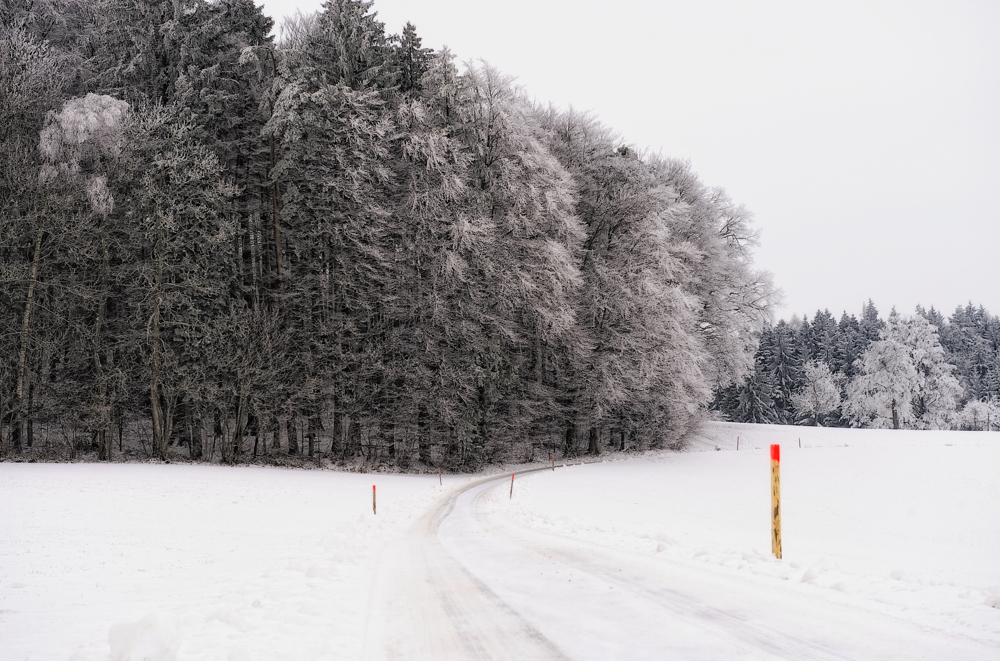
(436, 608)
(469, 583)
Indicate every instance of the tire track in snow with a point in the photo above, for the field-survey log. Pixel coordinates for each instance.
(439, 610)
(714, 622)
(707, 631)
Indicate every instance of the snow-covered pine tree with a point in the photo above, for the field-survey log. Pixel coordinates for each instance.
(850, 344)
(755, 398)
(820, 343)
(785, 367)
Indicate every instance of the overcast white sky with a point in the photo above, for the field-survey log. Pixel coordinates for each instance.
(863, 135)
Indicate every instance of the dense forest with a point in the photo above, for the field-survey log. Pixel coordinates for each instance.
(919, 372)
(341, 245)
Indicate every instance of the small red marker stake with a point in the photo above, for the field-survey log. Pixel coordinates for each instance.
(553, 463)
(374, 510)
(511, 485)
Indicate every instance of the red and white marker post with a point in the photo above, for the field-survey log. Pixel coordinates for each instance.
(776, 501)
(553, 463)
(511, 485)
(374, 509)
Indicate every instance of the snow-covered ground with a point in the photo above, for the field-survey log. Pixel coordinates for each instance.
(891, 547)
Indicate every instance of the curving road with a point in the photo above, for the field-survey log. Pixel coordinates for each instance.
(465, 583)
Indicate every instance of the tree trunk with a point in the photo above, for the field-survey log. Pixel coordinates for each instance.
(315, 426)
(239, 431)
(895, 416)
(276, 219)
(29, 422)
(293, 441)
(159, 420)
(423, 443)
(104, 437)
(594, 441)
(23, 350)
(276, 437)
(570, 450)
(196, 447)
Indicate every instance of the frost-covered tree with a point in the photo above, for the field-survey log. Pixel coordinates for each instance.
(519, 199)
(735, 298)
(186, 227)
(903, 380)
(80, 145)
(642, 376)
(940, 391)
(820, 394)
(977, 415)
(341, 235)
(882, 393)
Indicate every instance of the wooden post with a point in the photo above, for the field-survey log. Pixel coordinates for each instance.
(553, 463)
(374, 510)
(775, 501)
(737, 443)
(511, 485)
(800, 443)
(440, 481)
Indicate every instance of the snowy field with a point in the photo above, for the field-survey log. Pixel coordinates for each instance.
(891, 551)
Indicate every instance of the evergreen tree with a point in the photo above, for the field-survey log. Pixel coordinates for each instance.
(755, 398)
(410, 60)
(851, 344)
(785, 368)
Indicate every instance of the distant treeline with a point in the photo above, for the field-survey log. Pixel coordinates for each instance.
(340, 245)
(920, 372)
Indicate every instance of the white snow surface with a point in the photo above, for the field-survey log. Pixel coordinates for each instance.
(891, 550)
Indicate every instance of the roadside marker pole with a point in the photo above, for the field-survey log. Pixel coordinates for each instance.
(553, 463)
(775, 501)
(439, 477)
(800, 443)
(511, 485)
(374, 510)
(737, 443)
